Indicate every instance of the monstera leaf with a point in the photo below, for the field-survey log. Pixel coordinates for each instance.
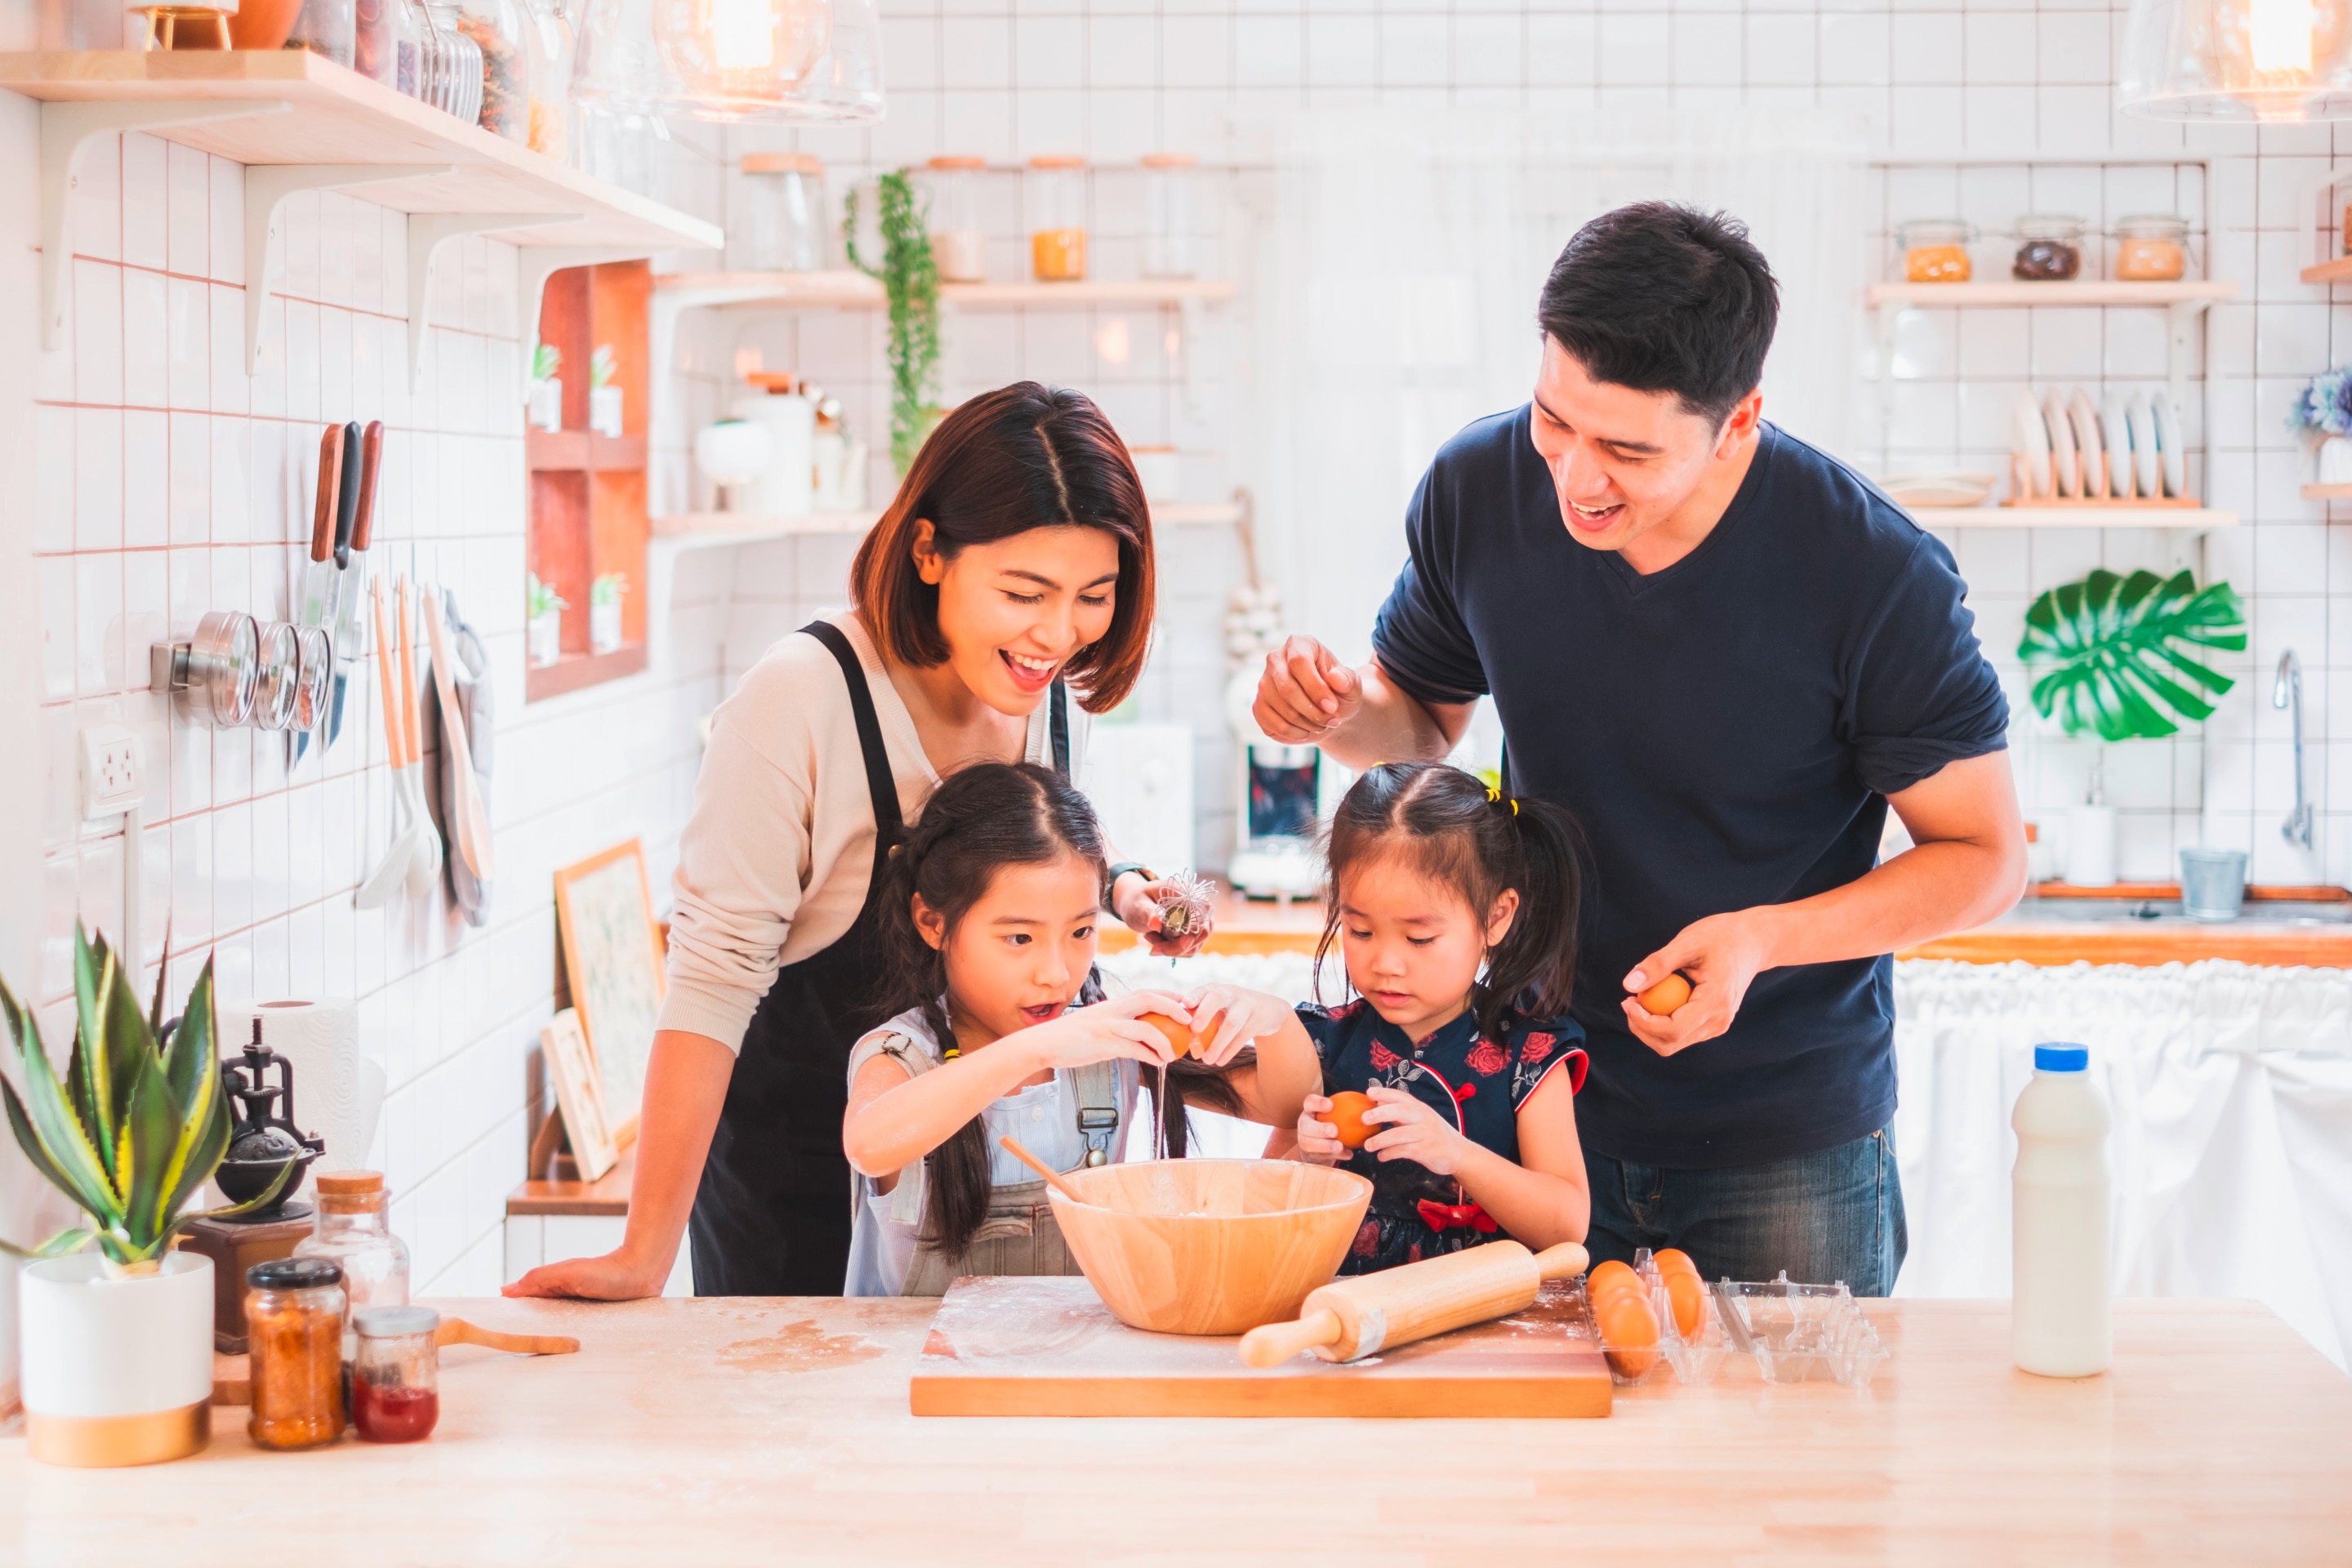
(2113, 654)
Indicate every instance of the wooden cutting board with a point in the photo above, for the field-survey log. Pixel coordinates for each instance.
(1049, 1347)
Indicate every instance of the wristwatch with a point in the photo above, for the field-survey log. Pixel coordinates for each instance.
(1111, 876)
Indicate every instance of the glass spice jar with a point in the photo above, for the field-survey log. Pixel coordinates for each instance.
(396, 1374)
(1168, 244)
(328, 27)
(2050, 249)
(497, 28)
(1057, 221)
(2148, 248)
(294, 1333)
(1934, 249)
(453, 73)
(783, 224)
(958, 242)
(350, 1232)
(552, 54)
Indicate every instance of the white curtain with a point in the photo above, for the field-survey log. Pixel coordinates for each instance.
(2231, 1088)
(1398, 261)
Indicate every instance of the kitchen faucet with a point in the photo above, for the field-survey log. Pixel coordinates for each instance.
(2285, 690)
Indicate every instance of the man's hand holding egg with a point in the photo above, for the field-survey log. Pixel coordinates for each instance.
(1691, 989)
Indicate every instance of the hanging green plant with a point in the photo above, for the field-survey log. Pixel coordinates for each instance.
(911, 283)
(2107, 649)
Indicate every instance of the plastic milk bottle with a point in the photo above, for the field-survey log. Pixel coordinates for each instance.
(2058, 1195)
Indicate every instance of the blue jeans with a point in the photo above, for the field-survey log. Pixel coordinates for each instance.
(1836, 1213)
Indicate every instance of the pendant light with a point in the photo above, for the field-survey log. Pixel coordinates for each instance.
(846, 84)
(740, 59)
(2268, 60)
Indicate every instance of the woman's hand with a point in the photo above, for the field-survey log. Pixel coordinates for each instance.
(1241, 1016)
(1318, 1141)
(1413, 1131)
(1083, 1036)
(1137, 904)
(617, 1276)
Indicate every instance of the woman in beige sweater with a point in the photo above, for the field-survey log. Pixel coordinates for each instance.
(1005, 594)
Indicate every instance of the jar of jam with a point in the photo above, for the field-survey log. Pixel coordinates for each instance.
(294, 1332)
(2149, 248)
(2050, 249)
(396, 1376)
(1934, 249)
(1058, 218)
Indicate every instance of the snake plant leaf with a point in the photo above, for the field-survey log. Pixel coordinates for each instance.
(87, 1082)
(199, 1104)
(2108, 649)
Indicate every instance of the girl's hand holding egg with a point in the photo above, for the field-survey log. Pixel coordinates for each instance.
(1119, 1027)
(1319, 1142)
(1228, 1018)
(1405, 1129)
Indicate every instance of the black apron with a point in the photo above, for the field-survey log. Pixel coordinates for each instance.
(771, 1216)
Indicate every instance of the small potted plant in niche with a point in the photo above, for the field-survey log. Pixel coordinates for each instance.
(604, 611)
(603, 397)
(118, 1327)
(542, 614)
(2322, 415)
(545, 406)
(2111, 659)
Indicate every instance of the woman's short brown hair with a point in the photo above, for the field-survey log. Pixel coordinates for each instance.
(1023, 457)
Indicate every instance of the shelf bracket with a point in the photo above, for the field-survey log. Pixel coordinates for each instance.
(538, 263)
(66, 128)
(2181, 329)
(427, 232)
(267, 187)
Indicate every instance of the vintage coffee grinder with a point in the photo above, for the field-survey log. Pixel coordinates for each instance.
(263, 1141)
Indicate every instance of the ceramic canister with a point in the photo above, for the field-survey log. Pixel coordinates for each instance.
(116, 1372)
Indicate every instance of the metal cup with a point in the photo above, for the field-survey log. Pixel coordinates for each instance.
(2212, 883)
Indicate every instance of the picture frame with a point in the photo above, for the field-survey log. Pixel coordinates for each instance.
(613, 961)
(579, 1094)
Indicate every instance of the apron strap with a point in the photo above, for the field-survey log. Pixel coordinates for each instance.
(1095, 1087)
(1058, 712)
(879, 785)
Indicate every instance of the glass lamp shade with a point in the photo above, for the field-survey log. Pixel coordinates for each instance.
(2268, 60)
(740, 59)
(618, 66)
(846, 84)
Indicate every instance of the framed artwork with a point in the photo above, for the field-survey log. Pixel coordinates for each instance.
(612, 958)
(579, 1093)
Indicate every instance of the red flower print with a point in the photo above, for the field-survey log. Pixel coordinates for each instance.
(1537, 1048)
(1383, 1058)
(1487, 1059)
(1368, 1240)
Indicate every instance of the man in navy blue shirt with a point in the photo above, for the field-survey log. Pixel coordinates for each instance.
(1727, 654)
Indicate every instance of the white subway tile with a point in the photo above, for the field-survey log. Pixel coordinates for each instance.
(146, 203)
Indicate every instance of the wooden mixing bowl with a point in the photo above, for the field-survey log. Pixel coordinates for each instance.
(1210, 1246)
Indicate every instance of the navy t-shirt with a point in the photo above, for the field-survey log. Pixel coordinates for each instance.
(1727, 731)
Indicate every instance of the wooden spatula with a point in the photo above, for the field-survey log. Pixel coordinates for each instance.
(457, 1332)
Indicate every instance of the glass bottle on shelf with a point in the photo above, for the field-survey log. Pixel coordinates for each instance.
(1058, 218)
(326, 28)
(782, 226)
(353, 1234)
(411, 34)
(1934, 249)
(2049, 250)
(453, 64)
(552, 59)
(1168, 216)
(958, 242)
(496, 27)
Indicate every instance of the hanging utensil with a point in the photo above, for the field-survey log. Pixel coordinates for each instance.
(314, 599)
(391, 871)
(465, 810)
(362, 458)
(426, 863)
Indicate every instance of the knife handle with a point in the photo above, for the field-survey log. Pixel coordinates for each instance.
(347, 496)
(371, 459)
(323, 522)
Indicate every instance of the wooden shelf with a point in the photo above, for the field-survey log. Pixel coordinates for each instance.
(2337, 271)
(1965, 296)
(2120, 514)
(2160, 892)
(857, 292)
(2327, 493)
(583, 451)
(712, 530)
(575, 670)
(1141, 292)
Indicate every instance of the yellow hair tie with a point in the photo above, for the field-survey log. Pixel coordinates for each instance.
(1494, 796)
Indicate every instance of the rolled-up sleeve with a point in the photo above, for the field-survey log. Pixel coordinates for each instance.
(1923, 692)
(1420, 639)
(743, 862)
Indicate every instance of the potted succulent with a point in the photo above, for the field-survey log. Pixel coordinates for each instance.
(118, 1327)
(544, 405)
(603, 397)
(2112, 658)
(604, 611)
(542, 617)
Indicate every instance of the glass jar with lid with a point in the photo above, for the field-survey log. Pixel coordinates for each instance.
(352, 1233)
(451, 76)
(1167, 214)
(552, 52)
(959, 240)
(384, 42)
(396, 1374)
(2049, 248)
(2149, 248)
(328, 27)
(294, 1338)
(1056, 194)
(496, 27)
(1934, 249)
(781, 225)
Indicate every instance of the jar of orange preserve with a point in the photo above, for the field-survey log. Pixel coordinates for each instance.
(1057, 220)
(2148, 248)
(1934, 249)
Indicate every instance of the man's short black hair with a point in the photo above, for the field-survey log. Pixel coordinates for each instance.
(1664, 298)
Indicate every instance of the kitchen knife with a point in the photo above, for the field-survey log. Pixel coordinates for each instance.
(346, 620)
(315, 595)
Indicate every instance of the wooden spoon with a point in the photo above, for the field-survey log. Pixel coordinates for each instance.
(1052, 1177)
(457, 1332)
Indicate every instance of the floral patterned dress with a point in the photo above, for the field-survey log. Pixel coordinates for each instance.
(1478, 1081)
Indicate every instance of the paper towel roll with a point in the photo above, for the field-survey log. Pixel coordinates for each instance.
(337, 1093)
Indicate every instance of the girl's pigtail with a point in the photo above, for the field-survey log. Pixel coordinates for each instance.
(1535, 963)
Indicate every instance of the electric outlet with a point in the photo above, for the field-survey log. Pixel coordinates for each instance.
(112, 771)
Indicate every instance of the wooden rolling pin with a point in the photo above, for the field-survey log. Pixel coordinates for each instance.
(1351, 1318)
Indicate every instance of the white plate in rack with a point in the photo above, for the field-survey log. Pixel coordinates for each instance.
(2029, 440)
(2142, 419)
(2088, 449)
(2062, 447)
(2114, 434)
(2169, 445)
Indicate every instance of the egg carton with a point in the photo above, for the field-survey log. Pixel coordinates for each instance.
(1693, 1358)
(1798, 1333)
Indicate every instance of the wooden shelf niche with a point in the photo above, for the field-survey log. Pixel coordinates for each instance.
(588, 491)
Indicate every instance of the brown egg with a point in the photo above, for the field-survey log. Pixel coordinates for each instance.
(1180, 1036)
(1347, 1114)
(1667, 995)
(1607, 1280)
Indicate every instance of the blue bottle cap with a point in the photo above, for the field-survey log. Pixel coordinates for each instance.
(2061, 1058)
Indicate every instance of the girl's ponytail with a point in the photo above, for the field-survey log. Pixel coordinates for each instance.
(1534, 966)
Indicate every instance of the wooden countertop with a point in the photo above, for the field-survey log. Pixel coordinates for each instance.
(742, 1431)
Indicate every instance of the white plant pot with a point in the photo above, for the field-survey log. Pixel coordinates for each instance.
(2335, 460)
(545, 636)
(604, 411)
(2091, 846)
(117, 1372)
(544, 407)
(605, 626)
